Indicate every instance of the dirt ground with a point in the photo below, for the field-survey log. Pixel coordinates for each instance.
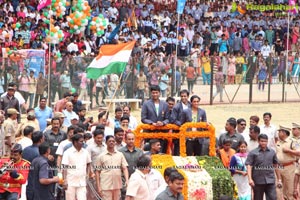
(282, 113)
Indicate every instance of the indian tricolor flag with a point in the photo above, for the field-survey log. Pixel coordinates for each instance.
(112, 59)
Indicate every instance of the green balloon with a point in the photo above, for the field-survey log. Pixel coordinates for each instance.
(51, 34)
(72, 21)
(73, 90)
(9, 52)
(97, 20)
(47, 21)
(18, 25)
(72, 31)
(104, 23)
(47, 31)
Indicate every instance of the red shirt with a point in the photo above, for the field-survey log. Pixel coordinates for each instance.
(10, 184)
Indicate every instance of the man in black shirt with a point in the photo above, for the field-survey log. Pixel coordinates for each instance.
(41, 177)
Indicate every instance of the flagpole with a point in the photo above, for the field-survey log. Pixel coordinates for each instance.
(115, 92)
(49, 61)
(287, 58)
(176, 58)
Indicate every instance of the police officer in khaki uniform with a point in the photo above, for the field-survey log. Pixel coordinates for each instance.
(10, 126)
(296, 140)
(286, 164)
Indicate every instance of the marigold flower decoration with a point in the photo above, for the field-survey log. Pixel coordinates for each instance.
(182, 135)
(140, 134)
(209, 132)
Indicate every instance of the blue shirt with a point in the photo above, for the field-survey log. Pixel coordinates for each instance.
(42, 116)
(30, 153)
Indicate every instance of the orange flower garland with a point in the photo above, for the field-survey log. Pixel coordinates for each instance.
(182, 135)
(140, 134)
(210, 133)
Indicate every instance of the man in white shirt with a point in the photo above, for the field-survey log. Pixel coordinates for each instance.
(60, 149)
(241, 127)
(70, 114)
(26, 140)
(265, 49)
(154, 180)
(77, 166)
(252, 138)
(138, 187)
(270, 130)
(132, 120)
(72, 46)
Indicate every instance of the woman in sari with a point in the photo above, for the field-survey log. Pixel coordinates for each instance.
(239, 173)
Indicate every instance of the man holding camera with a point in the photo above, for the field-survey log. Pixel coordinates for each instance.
(13, 173)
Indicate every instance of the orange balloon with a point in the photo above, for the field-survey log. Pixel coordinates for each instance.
(7, 50)
(67, 3)
(56, 4)
(86, 3)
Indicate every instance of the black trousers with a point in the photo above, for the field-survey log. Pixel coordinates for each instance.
(268, 189)
(193, 147)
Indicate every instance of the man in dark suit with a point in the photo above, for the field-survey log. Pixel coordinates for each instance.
(177, 111)
(155, 112)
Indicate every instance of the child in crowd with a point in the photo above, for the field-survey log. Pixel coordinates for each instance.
(226, 153)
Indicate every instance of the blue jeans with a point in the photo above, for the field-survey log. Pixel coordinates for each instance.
(206, 77)
(9, 196)
(31, 96)
(163, 93)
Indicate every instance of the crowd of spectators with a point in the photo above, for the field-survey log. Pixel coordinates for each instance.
(246, 44)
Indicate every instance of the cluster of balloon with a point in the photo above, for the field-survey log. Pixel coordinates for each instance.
(55, 34)
(16, 25)
(80, 16)
(8, 51)
(98, 24)
(58, 8)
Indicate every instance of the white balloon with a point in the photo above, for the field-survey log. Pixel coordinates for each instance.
(63, 9)
(68, 19)
(60, 4)
(93, 23)
(82, 29)
(78, 31)
(50, 12)
(84, 7)
(75, 27)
